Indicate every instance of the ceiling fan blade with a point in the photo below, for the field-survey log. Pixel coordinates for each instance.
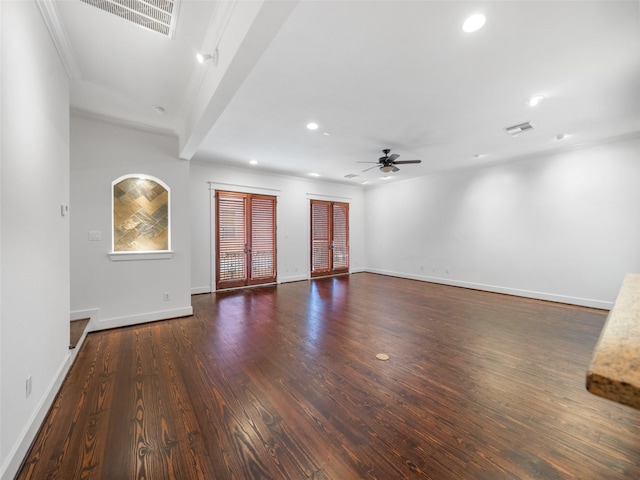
(366, 162)
(367, 169)
(400, 162)
(392, 157)
(395, 169)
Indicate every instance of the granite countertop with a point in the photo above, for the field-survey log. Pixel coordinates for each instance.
(614, 372)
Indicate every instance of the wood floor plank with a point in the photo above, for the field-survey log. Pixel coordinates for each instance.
(281, 382)
(76, 329)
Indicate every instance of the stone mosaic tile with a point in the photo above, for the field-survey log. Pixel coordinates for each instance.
(140, 215)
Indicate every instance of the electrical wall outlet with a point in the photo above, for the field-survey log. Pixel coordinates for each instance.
(167, 296)
(28, 386)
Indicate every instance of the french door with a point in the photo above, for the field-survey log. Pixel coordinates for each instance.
(245, 239)
(329, 238)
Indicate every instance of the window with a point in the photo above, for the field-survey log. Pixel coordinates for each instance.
(140, 215)
(245, 239)
(329, 238)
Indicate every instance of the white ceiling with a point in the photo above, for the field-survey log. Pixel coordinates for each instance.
(373, 74)
(123, 70)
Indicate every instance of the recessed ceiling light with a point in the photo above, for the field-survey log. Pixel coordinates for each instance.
(158, 109)
(312, 126)
(253, 162)
(474, 23)
(313, 174)
(326, 134)
(561, 136)
(535, 100)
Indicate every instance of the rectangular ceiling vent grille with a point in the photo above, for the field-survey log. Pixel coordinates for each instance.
(351, 175)
(516, 129)
(157, 15)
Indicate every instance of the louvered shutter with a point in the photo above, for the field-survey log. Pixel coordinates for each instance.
(329, 238)
(231, 237)
(340, 221)
(320, 237)
(245, 239)
(263, 238)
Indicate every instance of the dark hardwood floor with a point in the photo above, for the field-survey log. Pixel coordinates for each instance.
(76, 329)
(282, 383)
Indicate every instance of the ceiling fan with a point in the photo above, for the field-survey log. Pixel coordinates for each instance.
(388, 163)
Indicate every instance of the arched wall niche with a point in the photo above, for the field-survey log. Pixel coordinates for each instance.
(141, 214)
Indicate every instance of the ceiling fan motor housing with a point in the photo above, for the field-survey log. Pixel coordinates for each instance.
(388, 162)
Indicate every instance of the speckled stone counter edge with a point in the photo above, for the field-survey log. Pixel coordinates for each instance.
(615, 369)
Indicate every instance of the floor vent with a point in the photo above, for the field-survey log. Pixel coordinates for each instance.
(157, 15)
(516, 129)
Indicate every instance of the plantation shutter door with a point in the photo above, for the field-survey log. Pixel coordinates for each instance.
(263, 239)
(245, 239)
(340, 221)
(231, 235)
(320, 237)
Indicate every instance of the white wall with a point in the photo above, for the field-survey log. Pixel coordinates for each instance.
(34, 295)
(116, 293)
(292, 218)
(563, 227)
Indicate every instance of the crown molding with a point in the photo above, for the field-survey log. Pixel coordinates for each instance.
(119, 122)
(58, 34)
(592, 143)
(569, 147)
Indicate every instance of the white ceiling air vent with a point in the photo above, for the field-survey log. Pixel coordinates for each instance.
(516, 129)
(157, 15)
(351, 175)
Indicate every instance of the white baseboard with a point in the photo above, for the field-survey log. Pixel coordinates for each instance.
(73, 352)
(92, 313)
(293, 278)
(552, 297)
(288, 279)
(21, 448)
(116, 322)
(16, 455)
(199, 290)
